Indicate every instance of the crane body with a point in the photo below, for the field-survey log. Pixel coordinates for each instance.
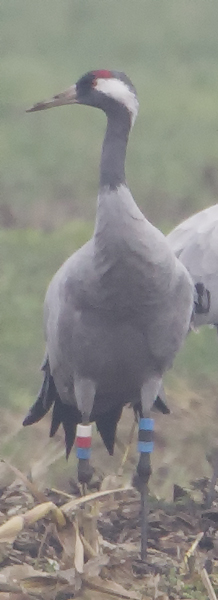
(195, 243)
(119, 309)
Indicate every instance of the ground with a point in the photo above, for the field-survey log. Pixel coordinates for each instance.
(57, 548)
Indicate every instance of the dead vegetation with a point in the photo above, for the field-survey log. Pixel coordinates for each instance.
(57, 548)
(56, 545)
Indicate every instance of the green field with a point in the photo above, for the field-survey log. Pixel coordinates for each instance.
(49, 167)
(168, 48)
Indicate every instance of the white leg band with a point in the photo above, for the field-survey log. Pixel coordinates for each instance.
(84, 430)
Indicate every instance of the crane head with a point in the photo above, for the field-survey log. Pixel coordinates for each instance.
(102, 89)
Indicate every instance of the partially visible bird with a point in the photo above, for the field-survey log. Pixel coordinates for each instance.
(118, 309)
(195, 243)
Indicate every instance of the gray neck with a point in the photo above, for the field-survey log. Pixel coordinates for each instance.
(112, 168)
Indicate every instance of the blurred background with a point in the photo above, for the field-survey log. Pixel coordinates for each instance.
(49, 182)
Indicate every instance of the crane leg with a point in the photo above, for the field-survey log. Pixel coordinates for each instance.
(211, 491)
(84, 390)
(145, 447)
(83, 444)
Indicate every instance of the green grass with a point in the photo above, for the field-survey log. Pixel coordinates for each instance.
(169, 49)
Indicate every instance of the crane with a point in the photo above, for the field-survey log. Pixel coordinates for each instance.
(194, 242)
(118, 309)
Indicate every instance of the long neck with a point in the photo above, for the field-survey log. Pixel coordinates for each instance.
(112, 167)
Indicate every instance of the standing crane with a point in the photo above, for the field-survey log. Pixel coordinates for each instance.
(195, 243)
(118, 309)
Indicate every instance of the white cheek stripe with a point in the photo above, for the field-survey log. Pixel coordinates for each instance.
(117, 89)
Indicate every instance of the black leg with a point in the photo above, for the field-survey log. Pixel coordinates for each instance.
(144, 522)
(212, 484)
(85, 471)
(144, 472)
(145, 447)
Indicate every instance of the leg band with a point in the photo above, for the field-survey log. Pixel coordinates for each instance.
(83, 441)
(145, 436)
(146, 424)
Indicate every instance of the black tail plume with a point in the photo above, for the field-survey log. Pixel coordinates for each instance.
(46, 397)
(107, 424)
(69, 416)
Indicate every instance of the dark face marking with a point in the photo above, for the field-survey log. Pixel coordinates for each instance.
(86, 92)
(84, 84)
(88, 81)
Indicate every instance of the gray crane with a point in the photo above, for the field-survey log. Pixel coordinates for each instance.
(118, 309)
(194, 242)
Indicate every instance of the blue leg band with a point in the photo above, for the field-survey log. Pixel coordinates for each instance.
(145, 437)
(146, 424)
(84, 453)
(145, 446)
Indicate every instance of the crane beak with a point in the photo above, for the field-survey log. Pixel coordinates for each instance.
(67, 97)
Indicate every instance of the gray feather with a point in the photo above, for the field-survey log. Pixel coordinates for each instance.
(195, 243)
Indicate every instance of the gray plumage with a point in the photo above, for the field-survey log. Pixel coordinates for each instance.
(114, 311)
(195, 243)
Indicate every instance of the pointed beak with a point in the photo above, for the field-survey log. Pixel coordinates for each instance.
(67, 97)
